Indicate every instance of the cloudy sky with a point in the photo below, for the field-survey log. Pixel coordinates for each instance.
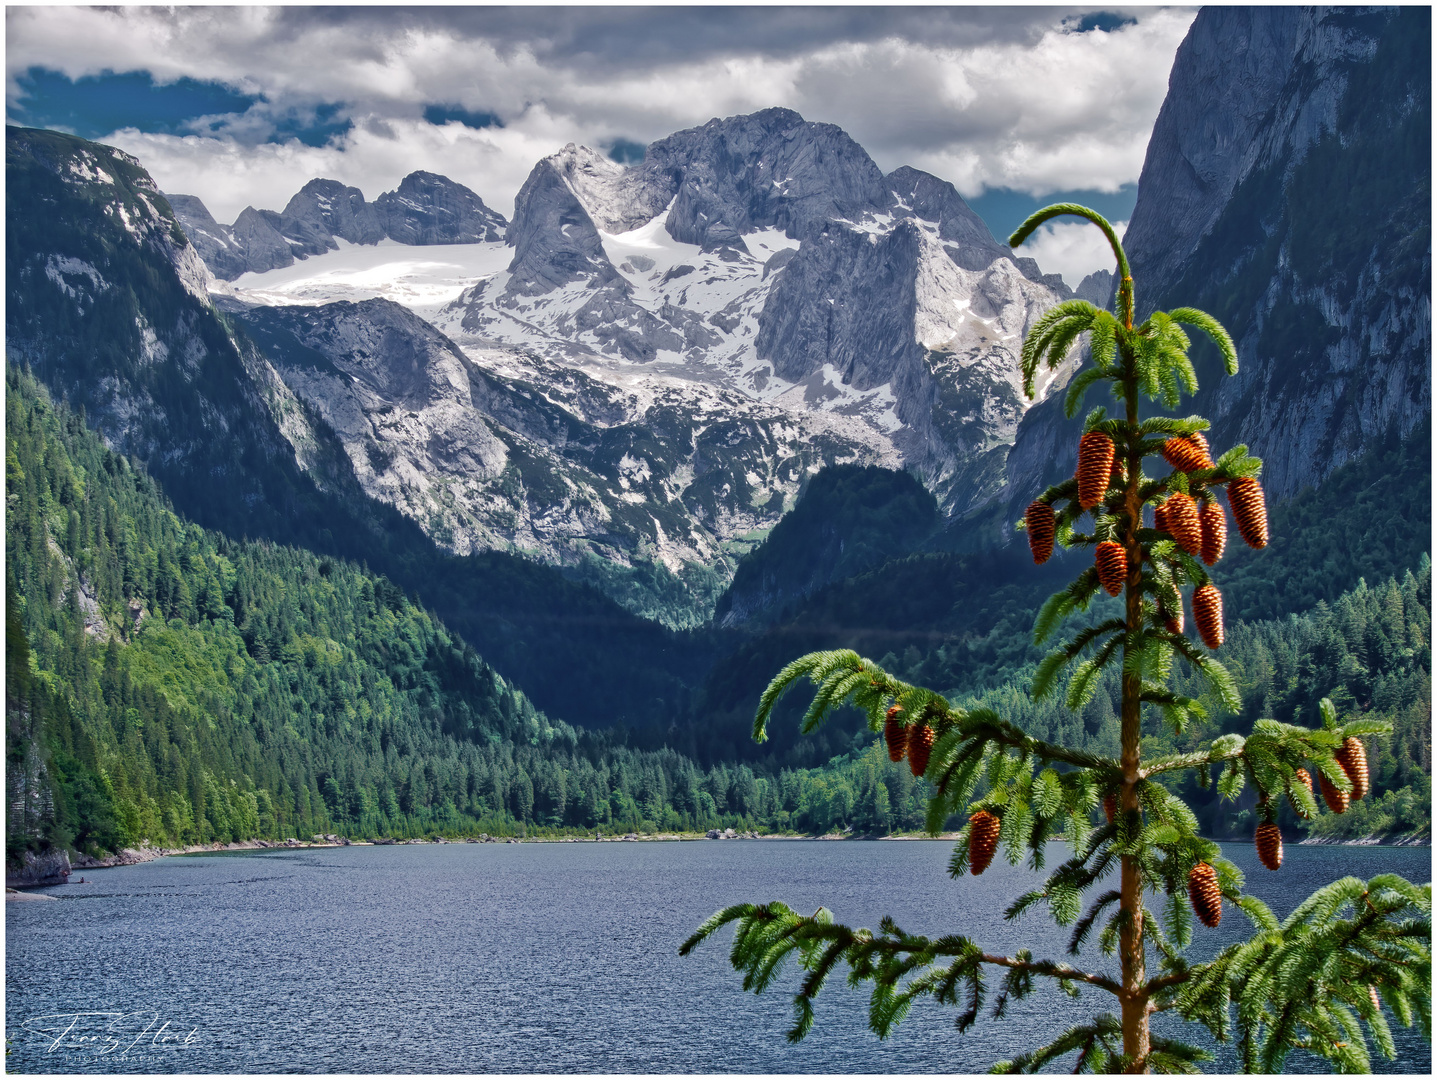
(242, 106)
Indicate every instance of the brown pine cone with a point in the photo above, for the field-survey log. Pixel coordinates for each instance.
(1205, 894)
(1269, 845)
(1183, 522)
(1095, 468)
(1337, 801)
(1110, 806)
(1305, 778)
(1119, 473)
(1160, 517)
(1187, 453)
(1376, 1000)
(1352, 756)
(1249, 509)
(920, 744)
(1207, 613)
(1112, 560)
(983, 830)
(895, 734)
(1040, 530)
(1214, 531)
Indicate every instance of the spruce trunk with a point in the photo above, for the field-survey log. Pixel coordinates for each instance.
(1130, 941)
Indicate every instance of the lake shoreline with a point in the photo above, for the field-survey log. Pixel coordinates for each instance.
(135, 856)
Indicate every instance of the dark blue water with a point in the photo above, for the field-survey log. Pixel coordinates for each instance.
(527, 958)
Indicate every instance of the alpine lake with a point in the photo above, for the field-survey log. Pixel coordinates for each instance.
(543, 958)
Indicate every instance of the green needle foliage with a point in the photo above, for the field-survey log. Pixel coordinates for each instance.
(1325, 980)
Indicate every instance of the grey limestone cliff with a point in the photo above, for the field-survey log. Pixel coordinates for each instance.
(848, 299)
(325, 210)
(431, 209)
(264, 247)
(771, 169)
(555, 240)
(216, 244)
(1286, 190)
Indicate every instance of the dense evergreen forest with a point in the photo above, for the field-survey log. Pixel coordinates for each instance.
(166, 683)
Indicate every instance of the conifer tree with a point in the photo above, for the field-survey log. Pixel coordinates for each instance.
(1326, 978)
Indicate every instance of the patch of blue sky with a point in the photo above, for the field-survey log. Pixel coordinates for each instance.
(96, 105)
(1003, 209)
(627, 152)
(314, 127)
(444, 114)
(1106, 21)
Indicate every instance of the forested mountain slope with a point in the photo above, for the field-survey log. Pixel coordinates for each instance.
(168, 683)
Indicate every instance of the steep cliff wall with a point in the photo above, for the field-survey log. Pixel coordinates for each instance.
(1286, 190)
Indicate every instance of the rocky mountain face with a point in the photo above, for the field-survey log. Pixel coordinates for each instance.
(106, 299)
(488, 451)
(431, 209)
(770, 256)
(1287, 191)
(426, 209)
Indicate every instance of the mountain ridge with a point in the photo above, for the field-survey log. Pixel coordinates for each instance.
(425, 210)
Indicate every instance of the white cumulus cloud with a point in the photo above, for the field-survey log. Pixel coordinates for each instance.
(983, 97)
(1073, 248)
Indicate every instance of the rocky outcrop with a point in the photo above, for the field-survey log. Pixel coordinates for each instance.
(615, 198)
(252, 244)
(323, 211)
(432, 209)
(847, 299)
(396, 393)
(1096, 288)
(256, 234)
(966, 238)
(214, 243)
(1260, 202)
(554, 239)
(770, 169)
(49, 867)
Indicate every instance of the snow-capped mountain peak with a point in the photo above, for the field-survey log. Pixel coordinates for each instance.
(753, 299)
